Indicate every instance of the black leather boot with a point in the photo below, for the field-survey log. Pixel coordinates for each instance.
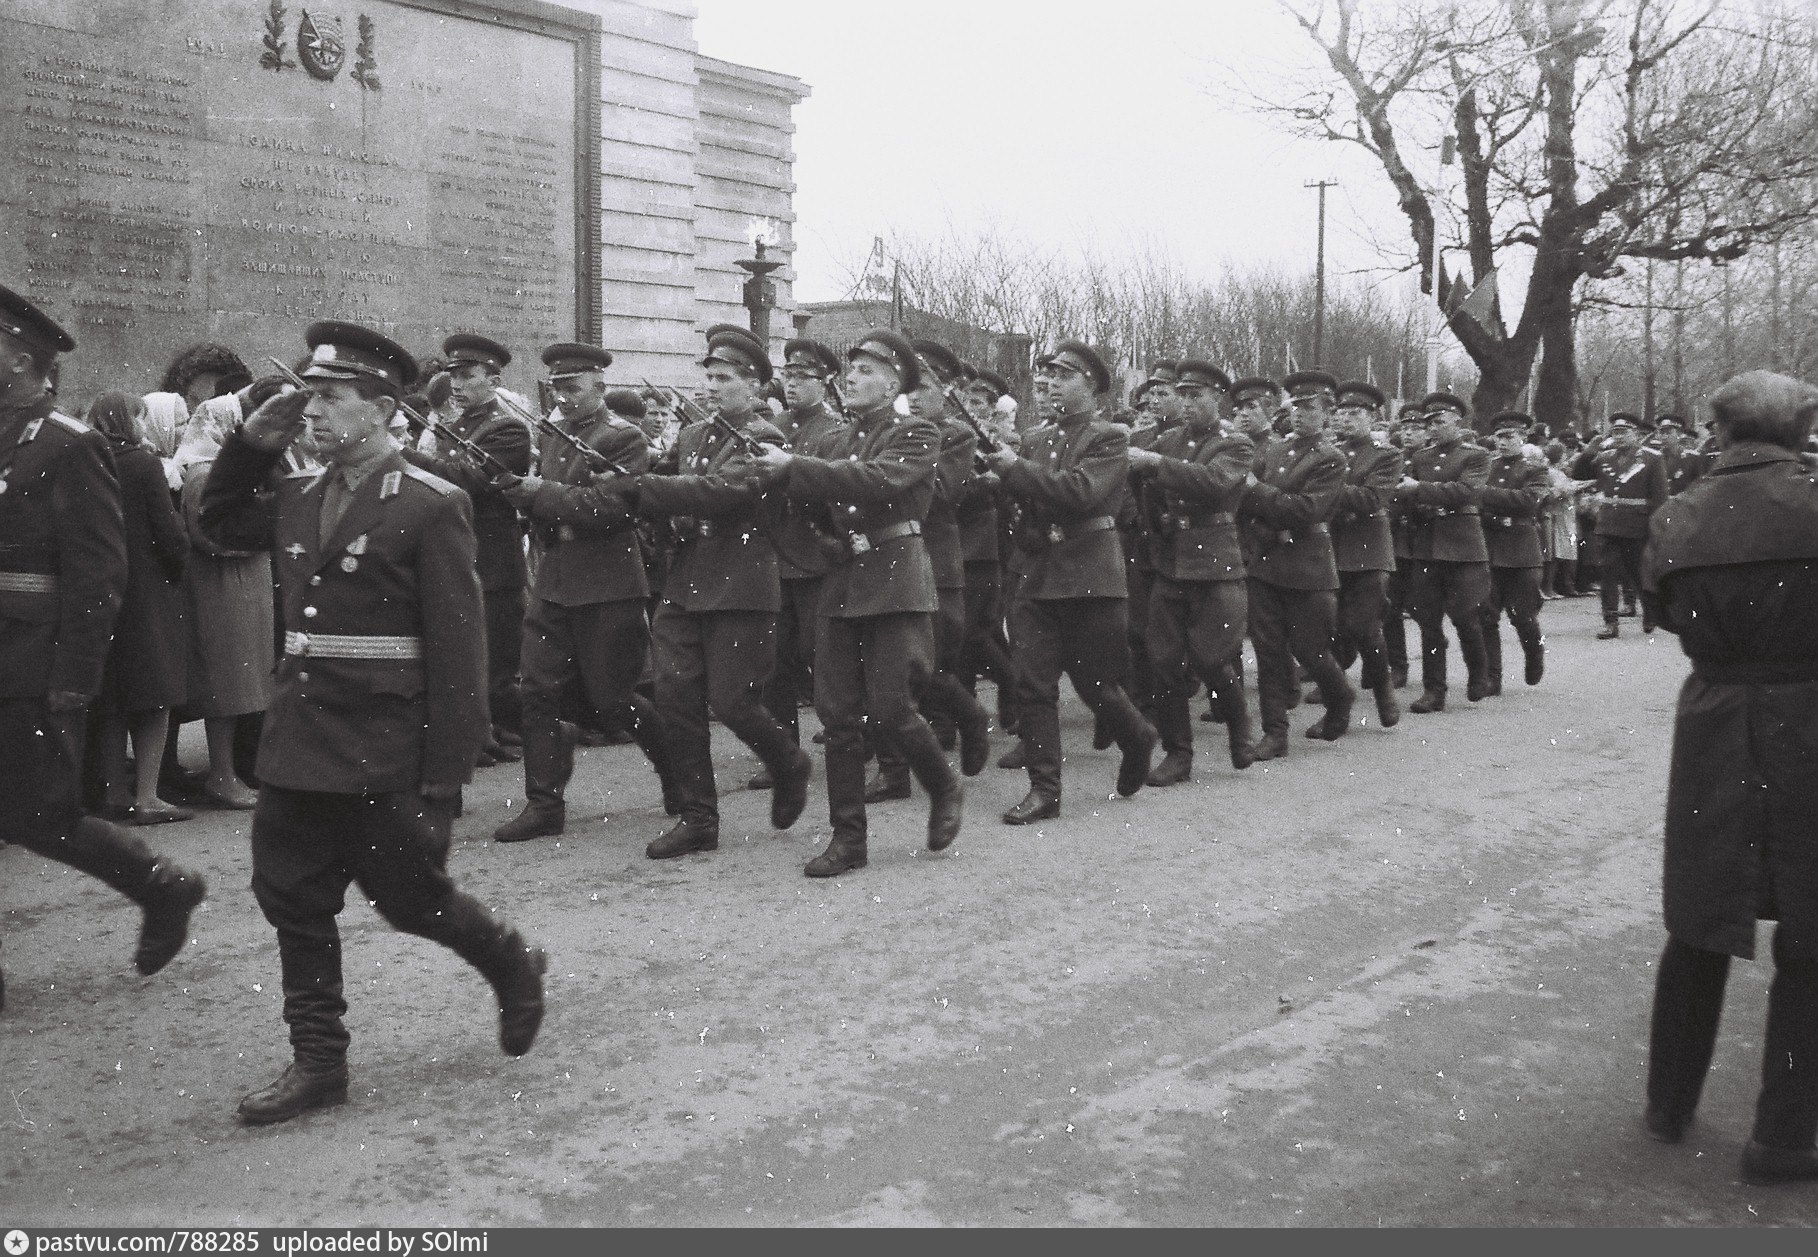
(295, 1092)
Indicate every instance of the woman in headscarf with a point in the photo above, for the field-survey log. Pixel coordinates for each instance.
(147, 670)
(230, 604)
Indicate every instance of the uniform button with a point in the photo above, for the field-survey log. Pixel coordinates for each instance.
(315, 580)
(302, 676)
(309, 613)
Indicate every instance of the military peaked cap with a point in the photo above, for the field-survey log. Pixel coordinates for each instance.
(1671, 420)
(991, 382)
(1445, 401)
(347, 351)
(32, 326)
(1624, 419)
(568, 358)
(465, 347)
(939, 359)
(1512, 419)
(895, 352)
(1077, 355)
(1163, 372)
(625, 403)
(1254, 386)
(1197, 371)
(1311, 383)
(739, 349)
(818, 358)
(1361, 393)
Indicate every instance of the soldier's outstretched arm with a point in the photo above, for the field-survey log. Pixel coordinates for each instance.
(905, 460)
(1220, 474)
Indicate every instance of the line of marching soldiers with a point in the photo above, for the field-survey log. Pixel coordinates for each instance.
(899, 544)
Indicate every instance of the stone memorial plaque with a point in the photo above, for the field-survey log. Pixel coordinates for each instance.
(231, 170)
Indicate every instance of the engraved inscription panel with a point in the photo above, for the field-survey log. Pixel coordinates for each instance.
(178, 170)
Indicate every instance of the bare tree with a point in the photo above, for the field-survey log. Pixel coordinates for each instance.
(1589, 133)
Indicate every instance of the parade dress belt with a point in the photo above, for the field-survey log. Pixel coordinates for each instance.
(1058, 533)
(27, 583)
(860, 542)
(343, 646)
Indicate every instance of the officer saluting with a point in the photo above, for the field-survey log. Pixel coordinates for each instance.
(379, 699)
(62, 578)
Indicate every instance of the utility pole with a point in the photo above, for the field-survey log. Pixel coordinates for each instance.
(1319, 276)
(1679, 337)
(1647, 345)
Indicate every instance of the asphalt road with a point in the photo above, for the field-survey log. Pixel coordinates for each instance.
(1401, 979)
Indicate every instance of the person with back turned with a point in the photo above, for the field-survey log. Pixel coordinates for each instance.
(376, 721)
(871, 482)
(62, 579)
(1731, 566)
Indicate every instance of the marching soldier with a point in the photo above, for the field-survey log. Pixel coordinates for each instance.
(376, 719)
(1293, 576)
(985, 653)
(586, 619)
(474, 363)
(62, 579)
(1362, 543)
(1449, 569)
(875, 646)
(1191, 483)
(713, 643)
(1165, 409)
(1071, 478)
(1682, 464)
(1410, 435)
(945, 698)
(1631, 485)
(1511, 501)
(804, 554)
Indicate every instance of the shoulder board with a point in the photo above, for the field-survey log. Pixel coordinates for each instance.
(74, 425)
(417, 474)
(619, 421)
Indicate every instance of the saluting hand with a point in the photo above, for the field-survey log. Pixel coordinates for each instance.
(278, 422)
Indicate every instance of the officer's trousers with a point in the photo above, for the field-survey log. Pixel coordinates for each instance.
(504, 653)
(603, 645)
(1144, 683)
(1194, 629)
(718, 662)
(1620, 571)
(307, 847)
(1363, 606)
(1440, 590)
(795, 632)
(1087, 639)
(1688, 1001)
(1517, 591)
(984, 654)
(1394, 623)
(873, 667)
(1291, 624)
(41, 802)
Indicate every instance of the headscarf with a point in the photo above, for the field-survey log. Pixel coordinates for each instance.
(206, 430)
(165, 415)
(111, 414)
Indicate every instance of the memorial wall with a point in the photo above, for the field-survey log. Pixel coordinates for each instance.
(185, 170)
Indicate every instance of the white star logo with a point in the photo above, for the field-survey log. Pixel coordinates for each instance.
(17, 1242)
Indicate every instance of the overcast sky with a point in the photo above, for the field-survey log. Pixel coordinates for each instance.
(1106, 124)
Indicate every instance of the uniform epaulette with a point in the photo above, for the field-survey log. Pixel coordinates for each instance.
(435, 482)
(619, 421)
(74, 425)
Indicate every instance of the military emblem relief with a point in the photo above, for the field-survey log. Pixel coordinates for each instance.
(321, 47)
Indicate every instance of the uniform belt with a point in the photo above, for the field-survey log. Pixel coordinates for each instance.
(1440, 512)
(345, 646)
(1635, 503)
(1181, 520)
(1757, 672)
(1287, 534)
(27, 583)
(1058, 533)
(860, 542)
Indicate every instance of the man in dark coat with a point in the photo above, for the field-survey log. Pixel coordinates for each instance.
(474, 363)
(871, 482)
(1293, 572)
(1190, 483)
(1449, 576)
(1071, 477)
(1512, 495)
(1682, 463)
(1731, 566)
(713, 643)
(380, 694)
(1362, 542)
(586, 621)
(1631, 485)
(62, 577)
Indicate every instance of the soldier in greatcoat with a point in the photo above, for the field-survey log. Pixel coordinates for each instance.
(62, 579)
